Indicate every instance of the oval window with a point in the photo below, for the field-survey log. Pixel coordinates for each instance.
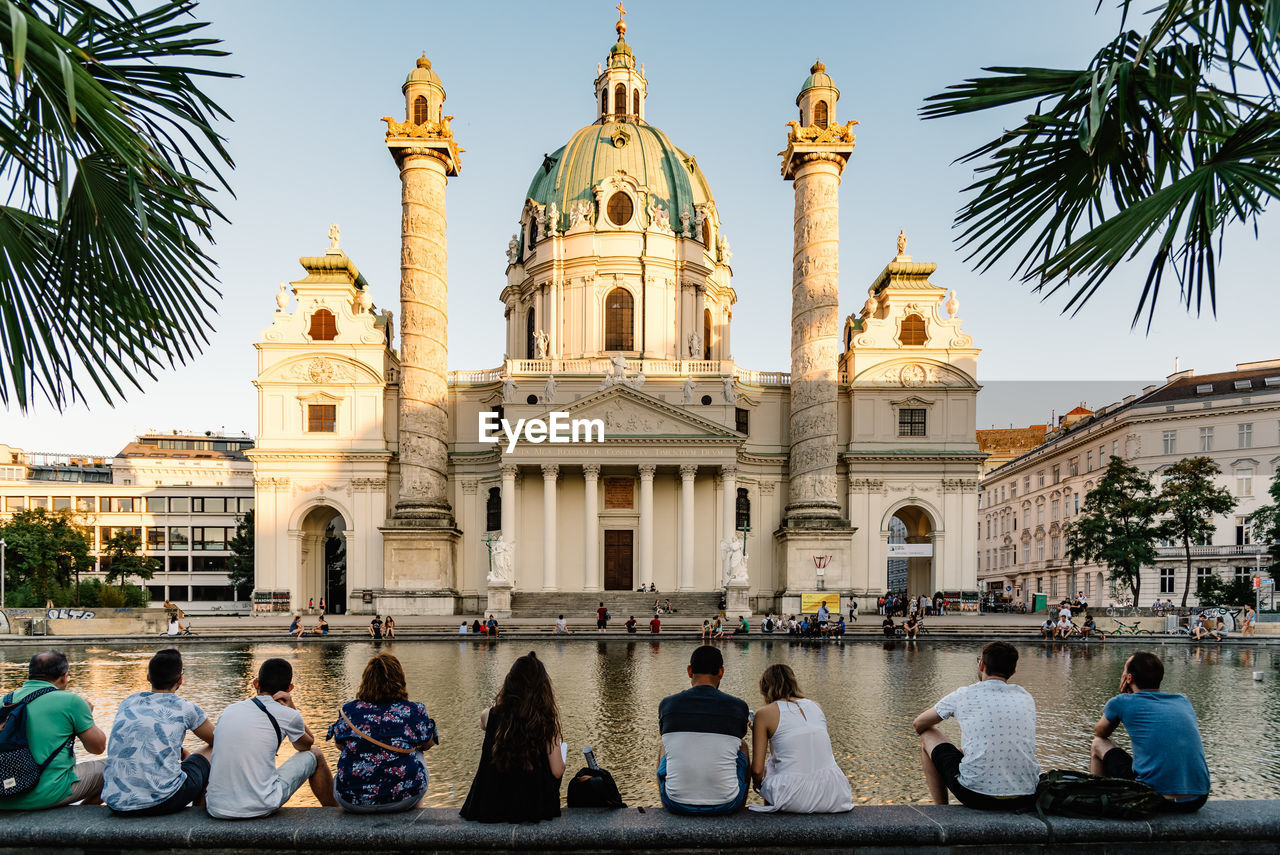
(620, 208)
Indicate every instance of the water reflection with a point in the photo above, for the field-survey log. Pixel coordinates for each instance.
(608, 692)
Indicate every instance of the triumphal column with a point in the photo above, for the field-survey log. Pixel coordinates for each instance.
(421, 538)
(815, 537)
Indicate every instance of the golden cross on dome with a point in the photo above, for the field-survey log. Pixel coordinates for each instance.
(622, 24)
(621, 11)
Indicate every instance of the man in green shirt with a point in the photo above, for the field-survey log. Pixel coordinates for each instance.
(52, 720)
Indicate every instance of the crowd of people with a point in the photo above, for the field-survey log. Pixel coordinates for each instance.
(902, 605)
(706, 764)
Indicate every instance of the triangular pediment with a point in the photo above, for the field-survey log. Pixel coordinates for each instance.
(630, 414)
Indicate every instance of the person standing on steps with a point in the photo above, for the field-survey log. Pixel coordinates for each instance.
(602, 618)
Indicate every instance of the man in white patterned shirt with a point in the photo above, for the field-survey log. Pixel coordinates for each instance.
(995, 768)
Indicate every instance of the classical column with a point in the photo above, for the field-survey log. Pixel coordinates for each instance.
(815, 169)
(728, 514)
(688, 472)
(645, 548)
(591, 529)
(550, 471)
(509, 471)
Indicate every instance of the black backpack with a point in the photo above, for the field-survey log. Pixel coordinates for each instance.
(1092, 796)
(19, 771)
(594, 788)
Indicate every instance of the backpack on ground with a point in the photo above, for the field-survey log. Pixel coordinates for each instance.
(1077, 794)
(19, 770)
(594, 788)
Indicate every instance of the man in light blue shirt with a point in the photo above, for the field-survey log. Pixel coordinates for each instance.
(1167, 755)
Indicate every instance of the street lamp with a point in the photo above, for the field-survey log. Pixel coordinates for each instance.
(2, 550)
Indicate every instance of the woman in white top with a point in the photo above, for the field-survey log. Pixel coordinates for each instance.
(801, 775)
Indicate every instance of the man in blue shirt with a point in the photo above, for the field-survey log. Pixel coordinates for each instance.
(704, 761)
(1167, 755)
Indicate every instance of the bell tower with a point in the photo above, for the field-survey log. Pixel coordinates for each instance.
(620, 87)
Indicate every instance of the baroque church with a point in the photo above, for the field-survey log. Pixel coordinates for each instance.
(854, 471)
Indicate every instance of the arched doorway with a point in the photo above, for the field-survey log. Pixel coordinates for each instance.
(911, 552)
(323, 571)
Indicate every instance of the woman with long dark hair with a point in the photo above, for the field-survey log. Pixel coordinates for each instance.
(382, 735)
(521, 763)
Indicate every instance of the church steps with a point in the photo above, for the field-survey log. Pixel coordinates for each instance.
(621, 604)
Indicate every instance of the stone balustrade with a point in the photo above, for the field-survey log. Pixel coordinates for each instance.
(589, 366)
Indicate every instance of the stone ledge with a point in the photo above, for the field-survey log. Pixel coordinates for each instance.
(1247, 826)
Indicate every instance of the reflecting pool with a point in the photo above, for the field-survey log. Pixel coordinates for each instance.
(608, 692)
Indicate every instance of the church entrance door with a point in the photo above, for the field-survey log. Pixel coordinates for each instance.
(618, 560)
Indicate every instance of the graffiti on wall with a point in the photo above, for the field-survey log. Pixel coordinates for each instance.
(69, 614)
(4, 624)
(1228, 616)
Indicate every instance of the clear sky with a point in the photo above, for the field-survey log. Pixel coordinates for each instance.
(723, 78)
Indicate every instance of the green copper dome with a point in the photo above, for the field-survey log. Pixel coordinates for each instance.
(422, 72)
(598, 151)
(818, 78)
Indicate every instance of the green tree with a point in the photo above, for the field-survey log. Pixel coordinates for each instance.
(1265, 523)
(44, 549)
(104, 132)
(240, 564)
(122, 559)
(1117, 525)
(1211, 591)
(1165, 140)
(1192, 499)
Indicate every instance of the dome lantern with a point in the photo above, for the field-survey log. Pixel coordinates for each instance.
(817, 98)
(620, 87)
(423, 93)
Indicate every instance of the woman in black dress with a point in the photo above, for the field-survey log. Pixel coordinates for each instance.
(521, 763)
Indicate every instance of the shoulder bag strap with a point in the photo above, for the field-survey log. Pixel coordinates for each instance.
(367, 738)
(8, 700)
(275, 724)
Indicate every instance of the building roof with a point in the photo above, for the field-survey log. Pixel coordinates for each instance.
(187, 446)
(1011, 438)
(818, 78)
(601, 150)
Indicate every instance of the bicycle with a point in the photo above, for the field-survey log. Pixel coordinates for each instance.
(1129, 629)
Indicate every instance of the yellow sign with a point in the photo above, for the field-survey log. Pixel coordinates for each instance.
(809, 602)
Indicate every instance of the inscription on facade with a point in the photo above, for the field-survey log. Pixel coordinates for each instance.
(619, 494)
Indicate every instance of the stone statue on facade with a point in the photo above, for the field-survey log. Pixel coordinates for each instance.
(869, 307)
(684, 222)
(580, 213)
(730, 393)
(687, 392)
(364, 301)
(699, 217)
(508, 389)
(659, 219)
(902, 242)
(638, 381)
(282, 297)
(722, 244)
(553, 219)
(513, 249)
(549, 390)
(501, 561)
(540, 344)
(953, 305)
(695, 345)
(616, 374)
(334, 237)
(735, 569)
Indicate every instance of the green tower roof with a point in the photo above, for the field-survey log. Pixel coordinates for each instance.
(817, 78)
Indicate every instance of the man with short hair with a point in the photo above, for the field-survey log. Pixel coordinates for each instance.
(56, 718)
(704, 763)
(1168, 754)
(995, 768)
(375, 627)
(655, 625)
(148, 772)
(244, 781)
(1048, 629)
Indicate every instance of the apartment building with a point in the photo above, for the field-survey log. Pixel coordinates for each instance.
(180, 493)
(1232, 417)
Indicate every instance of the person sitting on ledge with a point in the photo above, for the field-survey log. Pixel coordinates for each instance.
(1089, 627)
(55, 719)
(492, 626)
(704, 761)
(1168, 754)
(382, 736)
(244, 781)
(389, 627)
(631, 625)
(912, 627)
(888, 627)
(562, 626)
(801, 775)
(838, 629)
(462, 628)
(476, 627)
(995, 768)
(322, 627)
(744, 627)
(1048, 629)
(655, 625)
(296, 628)
(148, 773)
(522, 759)
(375, 627)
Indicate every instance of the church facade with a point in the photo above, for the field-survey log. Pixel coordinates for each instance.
(375, 489)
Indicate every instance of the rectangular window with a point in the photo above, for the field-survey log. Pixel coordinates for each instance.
(1088, 462)
(209, 537)
(1203, 573)
(1073, 466)
(911, 421)
(1088, 588)
(85, 504)
(1053, 551)
(155, 538)
(1170, 440)
(1026, 518)
(1040, 513)
(13, 504)
(1026, 550)
(39, 502)
(217, 505)
(1166, 580)
(179, 505)
(1040, 478)
(246, 505)
(1053, 587)
(62, 503)
(179, 538)
(1242, 531)
(1056, 511)
(123, 505)
(180, 564)
(322, 418)
(1013, 489)
(1244, 436)
(1040, 552)
(209, 564)
(155, 504)
(1244, 482)
(1026, 484)
(742, 420)
(1206, 439)
(1243, 573)
(213, 593)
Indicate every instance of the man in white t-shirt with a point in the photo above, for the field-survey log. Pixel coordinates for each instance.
(1065, 628)
(244, 781)
(995, 768)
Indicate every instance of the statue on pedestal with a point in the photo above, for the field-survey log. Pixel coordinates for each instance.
(501, 561)
(735, 572)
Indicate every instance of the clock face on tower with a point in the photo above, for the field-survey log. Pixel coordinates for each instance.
(912, 375)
